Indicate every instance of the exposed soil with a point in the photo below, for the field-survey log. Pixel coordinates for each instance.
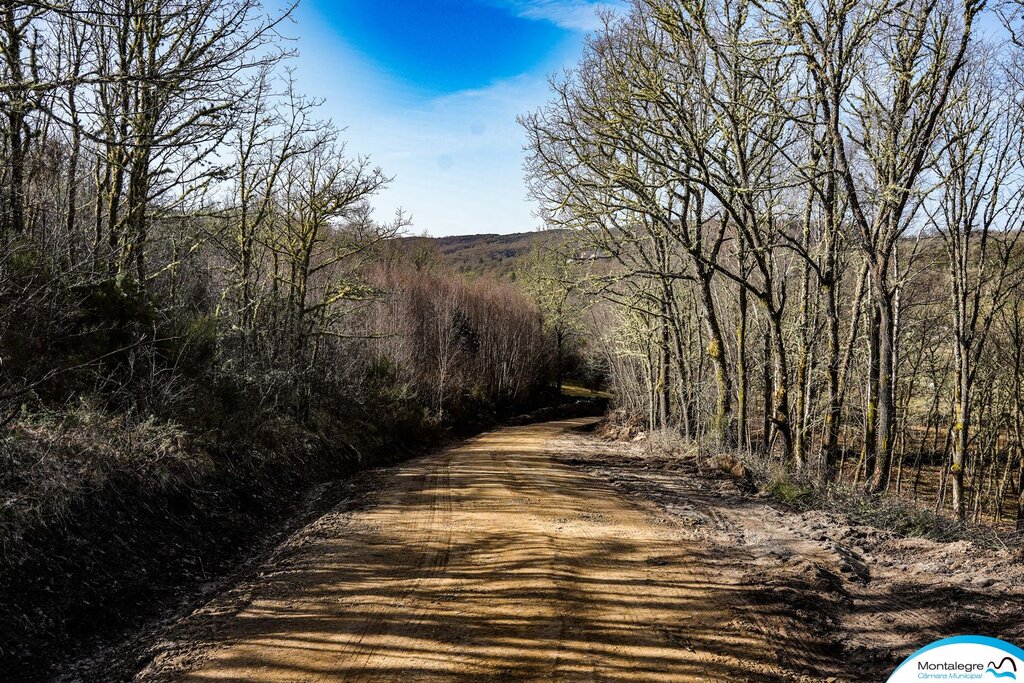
(855, 599)
(544, 553)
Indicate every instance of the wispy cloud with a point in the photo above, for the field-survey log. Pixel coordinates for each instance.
(457, 159)
(572, 15)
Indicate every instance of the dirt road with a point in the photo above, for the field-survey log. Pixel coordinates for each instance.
(540, 553)
(487, 562)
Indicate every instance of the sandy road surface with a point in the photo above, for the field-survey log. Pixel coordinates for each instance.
(487, 562)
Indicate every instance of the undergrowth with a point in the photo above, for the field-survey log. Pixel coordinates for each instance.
(804, 491)
(886, 511)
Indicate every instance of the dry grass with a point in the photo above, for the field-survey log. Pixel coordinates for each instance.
(576, 391)
(53, 459)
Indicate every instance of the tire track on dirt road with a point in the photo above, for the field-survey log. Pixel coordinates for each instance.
(436, 528)
(490, 561)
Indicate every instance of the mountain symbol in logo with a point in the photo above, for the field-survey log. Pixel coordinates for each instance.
(997, 669)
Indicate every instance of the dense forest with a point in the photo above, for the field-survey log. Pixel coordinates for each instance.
(803, 219)
(199, 311)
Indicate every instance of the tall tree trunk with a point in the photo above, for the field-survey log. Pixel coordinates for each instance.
(869, 450)
(800, 407)
(683, 369)
(886, 382)
(961, 428)
(136, 228)
(102, 182)
(782, 418)
(664, 359)
(16, 106)
(716, 351)
(766, 392)
(72, 206)
(741, 371)
(115, 161)
(833, 415)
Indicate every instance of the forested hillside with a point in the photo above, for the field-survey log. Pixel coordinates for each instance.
(498, 256)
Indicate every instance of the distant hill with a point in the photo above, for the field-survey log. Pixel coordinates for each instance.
(476, 255)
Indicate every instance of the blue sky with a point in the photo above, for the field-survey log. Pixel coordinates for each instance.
(431, 89)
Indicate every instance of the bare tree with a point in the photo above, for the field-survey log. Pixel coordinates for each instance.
(978, 216)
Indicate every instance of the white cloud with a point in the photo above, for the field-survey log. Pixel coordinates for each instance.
(573, 15)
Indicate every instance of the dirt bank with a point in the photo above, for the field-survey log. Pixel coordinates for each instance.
(863, 598)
